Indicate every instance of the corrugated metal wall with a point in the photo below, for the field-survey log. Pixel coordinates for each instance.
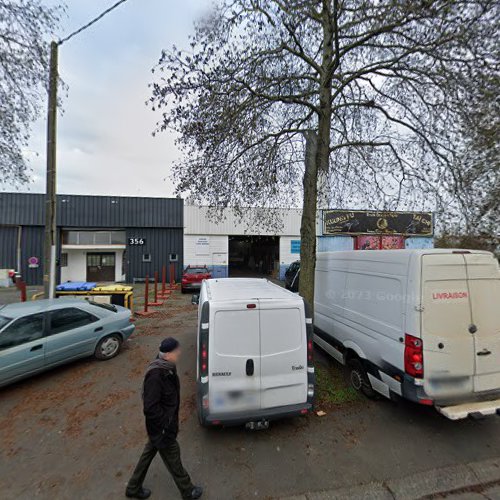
(159, 244)
(8, 247)
(32, 246)
(27, 209)
(197, 222)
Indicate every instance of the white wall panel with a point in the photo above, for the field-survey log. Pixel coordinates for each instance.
(197, 221)
(218, 245)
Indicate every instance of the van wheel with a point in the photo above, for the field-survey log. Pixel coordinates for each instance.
(359, 379)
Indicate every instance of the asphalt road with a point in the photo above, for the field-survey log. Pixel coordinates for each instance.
(77, 431)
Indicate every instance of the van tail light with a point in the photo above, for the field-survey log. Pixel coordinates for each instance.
(309, 352)
(204, 358)
(414, 356)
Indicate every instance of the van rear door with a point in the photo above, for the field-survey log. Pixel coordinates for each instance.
(283, 342)
(449, 363)
(484, 291)
(234, 357)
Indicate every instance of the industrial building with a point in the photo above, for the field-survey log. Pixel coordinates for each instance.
(99, 238)
(235, 247)
(123, 239)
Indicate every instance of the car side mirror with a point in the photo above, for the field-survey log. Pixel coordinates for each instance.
(195, 299)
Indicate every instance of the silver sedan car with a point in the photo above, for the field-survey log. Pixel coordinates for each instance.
(36, 336)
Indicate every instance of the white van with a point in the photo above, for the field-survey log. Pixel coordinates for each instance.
(421, 324)
(254, 353)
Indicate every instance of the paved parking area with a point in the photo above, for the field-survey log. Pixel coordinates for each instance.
(77, 431)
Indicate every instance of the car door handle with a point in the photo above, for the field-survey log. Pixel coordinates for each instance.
(98, 329)
(484, 352)
(36, 347)
(250, 367)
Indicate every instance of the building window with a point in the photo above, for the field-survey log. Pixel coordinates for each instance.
(93, 238)
(146, 257)
(64, 260)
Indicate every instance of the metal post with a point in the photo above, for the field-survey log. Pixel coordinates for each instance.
(163, 279)
(156, 287)
(172, 275)
(146, 294)
(49, 263)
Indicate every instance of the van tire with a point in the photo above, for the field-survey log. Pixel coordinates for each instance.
(359, 379)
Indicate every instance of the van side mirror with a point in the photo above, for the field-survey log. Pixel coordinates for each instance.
(195, 299)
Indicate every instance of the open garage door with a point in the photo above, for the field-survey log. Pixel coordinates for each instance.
(253, 255)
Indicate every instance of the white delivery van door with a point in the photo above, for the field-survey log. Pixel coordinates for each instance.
(448, 345)
(234, 358)
(283, 347)
(484, 290)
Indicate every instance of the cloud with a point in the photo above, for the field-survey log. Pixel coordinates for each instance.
(104, 138)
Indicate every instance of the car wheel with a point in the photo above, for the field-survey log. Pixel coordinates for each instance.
(108, 347)
(359, 379)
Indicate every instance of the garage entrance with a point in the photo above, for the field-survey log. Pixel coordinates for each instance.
(253, 255)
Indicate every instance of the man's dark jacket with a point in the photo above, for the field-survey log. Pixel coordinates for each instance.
(161, 397)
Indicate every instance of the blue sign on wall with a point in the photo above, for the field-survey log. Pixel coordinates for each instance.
(295, 246)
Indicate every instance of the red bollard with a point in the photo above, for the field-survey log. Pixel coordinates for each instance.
(146, 301)
(22, 288)
(172, 275)
(156, 302)
(164, 294)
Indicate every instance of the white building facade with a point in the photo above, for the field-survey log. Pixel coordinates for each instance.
(230, 246)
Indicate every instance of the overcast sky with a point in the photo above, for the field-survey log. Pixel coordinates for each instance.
(104, 135)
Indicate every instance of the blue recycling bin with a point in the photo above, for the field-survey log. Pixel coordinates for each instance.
(75, 286)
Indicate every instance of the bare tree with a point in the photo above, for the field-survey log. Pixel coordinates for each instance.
(24, 28)
(371, 90)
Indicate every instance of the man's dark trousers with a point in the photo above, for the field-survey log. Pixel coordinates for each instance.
(171, 456)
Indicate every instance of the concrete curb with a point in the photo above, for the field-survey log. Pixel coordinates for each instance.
(442, 481)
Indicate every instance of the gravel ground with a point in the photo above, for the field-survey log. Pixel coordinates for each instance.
(77, 431)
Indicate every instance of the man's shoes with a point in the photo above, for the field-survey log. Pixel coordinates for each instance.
(196, 492)
(142, 493)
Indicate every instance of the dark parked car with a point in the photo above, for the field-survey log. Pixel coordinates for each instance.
(292, 276)
(193, 276)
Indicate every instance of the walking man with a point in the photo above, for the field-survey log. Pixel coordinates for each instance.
(161, 397)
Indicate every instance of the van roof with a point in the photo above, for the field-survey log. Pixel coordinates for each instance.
(390, 255)
(246, 289)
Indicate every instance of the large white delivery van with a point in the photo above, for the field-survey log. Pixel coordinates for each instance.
(254, 353)
(421, 324)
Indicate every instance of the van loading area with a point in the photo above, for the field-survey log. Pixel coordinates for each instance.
(77, 431)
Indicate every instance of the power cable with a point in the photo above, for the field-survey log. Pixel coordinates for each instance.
(90, 23)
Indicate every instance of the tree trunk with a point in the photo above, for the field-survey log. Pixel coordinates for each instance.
(308, 223)
(317, 160)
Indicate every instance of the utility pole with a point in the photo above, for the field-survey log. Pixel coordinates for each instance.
(49, 261)
(50, 244)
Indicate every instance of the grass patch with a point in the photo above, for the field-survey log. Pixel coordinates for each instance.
(332, 387)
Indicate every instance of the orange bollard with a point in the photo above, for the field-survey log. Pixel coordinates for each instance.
(156, 302)
(146, 294)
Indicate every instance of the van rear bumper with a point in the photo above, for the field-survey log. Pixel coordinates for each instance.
(258, 415)
(472, 409)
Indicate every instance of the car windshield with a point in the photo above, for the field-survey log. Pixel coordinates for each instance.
(4, 320)
(109, 307)
(196, 270)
